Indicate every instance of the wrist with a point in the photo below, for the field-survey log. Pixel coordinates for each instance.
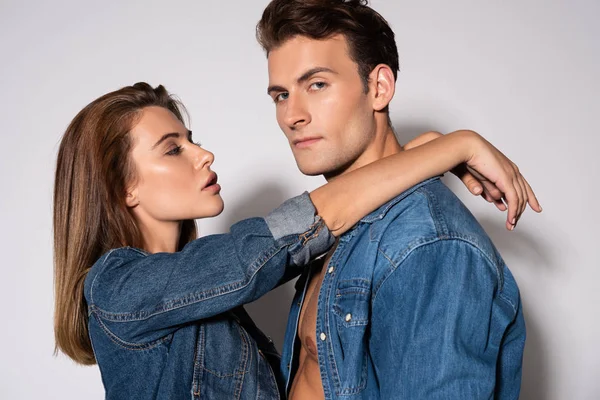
(470, 141)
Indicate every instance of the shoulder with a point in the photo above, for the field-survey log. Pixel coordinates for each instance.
(108, 266)
(430, 214)
(447, 270)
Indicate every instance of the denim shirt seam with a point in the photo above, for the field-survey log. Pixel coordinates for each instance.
(199, 362)
(508, 301)
(102, 267)
(247, 360)
(380, 213)
(436, 213)
(444, 232)
(193, 298)
(429, 241)
(136, 250)
(123, 343)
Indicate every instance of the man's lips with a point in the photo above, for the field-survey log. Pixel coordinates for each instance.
(306, 141)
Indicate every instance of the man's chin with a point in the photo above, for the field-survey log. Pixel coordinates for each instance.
(327, 170)
(311, 170)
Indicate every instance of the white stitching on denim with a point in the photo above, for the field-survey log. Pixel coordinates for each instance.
(247, 358)
(198, 365)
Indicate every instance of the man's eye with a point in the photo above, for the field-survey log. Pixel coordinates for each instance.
(175, 151)
(318, 85)
(281, 96)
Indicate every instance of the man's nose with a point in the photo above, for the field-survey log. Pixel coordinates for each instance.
(296, 112)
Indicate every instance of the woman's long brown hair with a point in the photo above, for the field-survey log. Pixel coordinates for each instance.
(93, 172)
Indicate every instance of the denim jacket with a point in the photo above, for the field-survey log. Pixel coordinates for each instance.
(416, 303)
(171, 326)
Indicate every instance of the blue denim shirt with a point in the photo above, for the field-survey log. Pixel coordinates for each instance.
(170, 326)
(416, 303)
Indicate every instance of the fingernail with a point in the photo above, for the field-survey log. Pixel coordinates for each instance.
(476, 189)
(514, 221)
(512, 228)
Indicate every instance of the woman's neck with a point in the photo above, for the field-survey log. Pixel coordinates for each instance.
(160, 237)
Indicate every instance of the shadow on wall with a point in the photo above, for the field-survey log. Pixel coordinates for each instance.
(524, 246)
(407, 131)
(270, 311)
(535, 365)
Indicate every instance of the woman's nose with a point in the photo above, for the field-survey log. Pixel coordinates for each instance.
(204, 158)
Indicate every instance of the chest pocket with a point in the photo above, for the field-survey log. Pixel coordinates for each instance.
(351, 312)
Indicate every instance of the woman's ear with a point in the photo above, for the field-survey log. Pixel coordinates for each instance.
(383, 86)
(131, 198)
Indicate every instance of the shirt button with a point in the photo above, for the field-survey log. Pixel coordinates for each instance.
(348, 317)
(331, 269)
(323, 336)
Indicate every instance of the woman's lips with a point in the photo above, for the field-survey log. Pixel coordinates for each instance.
(211, 184)
(215, 188)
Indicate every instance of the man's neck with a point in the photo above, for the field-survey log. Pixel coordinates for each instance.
(385, 144)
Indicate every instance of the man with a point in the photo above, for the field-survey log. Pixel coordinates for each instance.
(414, 302)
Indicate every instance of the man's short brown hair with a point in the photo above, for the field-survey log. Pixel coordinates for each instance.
(370, 38)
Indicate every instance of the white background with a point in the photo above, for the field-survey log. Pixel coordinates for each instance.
(522, 73)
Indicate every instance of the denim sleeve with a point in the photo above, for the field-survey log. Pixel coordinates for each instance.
(141, 297)
(447, 325)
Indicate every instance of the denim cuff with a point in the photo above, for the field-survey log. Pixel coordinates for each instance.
(297, 216)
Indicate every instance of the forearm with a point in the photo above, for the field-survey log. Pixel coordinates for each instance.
(344, 201)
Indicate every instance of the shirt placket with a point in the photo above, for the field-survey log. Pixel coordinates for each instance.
(324, 350)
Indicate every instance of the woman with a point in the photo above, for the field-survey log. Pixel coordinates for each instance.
(160, 310)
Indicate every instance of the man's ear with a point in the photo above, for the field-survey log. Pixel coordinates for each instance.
(382, 86)
(131, 198)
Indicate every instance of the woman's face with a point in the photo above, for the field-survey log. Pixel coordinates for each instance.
(174, 181)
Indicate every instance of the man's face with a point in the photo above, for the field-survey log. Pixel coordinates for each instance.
(321, 104)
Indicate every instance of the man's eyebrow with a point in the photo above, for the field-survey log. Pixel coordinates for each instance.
(306, 76)
(275, 88)
(303, 78)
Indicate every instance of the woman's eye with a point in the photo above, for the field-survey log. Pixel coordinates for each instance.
(176, 150)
